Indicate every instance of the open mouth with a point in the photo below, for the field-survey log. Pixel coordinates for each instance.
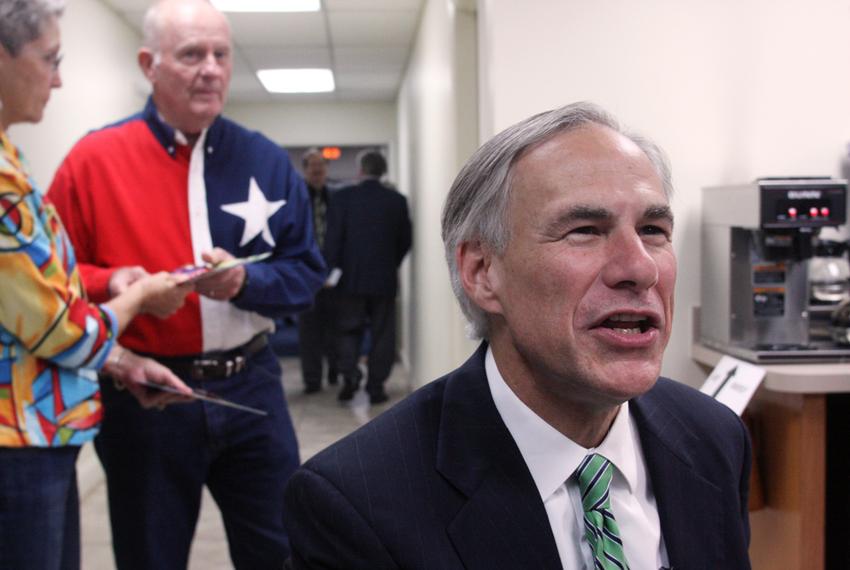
(629, 323)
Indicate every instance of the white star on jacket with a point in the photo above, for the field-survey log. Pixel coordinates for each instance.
(256, 213)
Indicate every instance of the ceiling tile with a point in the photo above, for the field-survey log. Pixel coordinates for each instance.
(297, 57)
(368, 58)
(375, 80)
(239, 59)
(245, 82)
(375, 29)
(251, 29)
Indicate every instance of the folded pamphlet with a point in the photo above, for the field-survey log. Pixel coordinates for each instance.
(198, 272)
(199, 394)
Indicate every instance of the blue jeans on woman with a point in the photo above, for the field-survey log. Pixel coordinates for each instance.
(39, 508)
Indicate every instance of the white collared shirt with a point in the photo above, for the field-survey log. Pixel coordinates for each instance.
(552, 458)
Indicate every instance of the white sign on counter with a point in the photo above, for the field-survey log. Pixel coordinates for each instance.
(733, 382)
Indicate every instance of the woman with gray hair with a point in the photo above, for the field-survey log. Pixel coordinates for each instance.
(53, 341)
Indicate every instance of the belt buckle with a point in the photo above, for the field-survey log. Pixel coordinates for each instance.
(199, 367)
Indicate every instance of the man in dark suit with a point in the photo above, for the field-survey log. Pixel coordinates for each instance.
(317, 325)
(556, 445)
(369, 234)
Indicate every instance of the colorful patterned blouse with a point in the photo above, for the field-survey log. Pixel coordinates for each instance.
(52, 341)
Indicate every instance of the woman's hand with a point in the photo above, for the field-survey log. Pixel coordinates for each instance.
(123, 277)
(162, 293)
(135, 373)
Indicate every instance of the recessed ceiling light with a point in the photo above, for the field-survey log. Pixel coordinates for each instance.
(267, 5)
(297, 80)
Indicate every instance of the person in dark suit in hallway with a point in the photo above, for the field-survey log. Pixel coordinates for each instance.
(316, 326)
(556, 445)
(369, 233)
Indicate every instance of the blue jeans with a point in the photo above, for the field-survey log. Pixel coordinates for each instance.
(157, 463)
(39, 508)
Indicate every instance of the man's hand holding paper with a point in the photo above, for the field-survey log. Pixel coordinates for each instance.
(220, 285)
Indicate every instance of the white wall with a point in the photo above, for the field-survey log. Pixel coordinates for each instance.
(304, 124)
(101, 84)
(732, 90)
(437, 132)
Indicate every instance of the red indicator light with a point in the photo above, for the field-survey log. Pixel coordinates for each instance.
(792, 212)
(824, 212)
(331, 152)
(813, 212)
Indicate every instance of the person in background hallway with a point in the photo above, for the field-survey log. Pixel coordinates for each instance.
(173, 185)
(53, 340)
(556, 445)
(316, 326)
(369, 234)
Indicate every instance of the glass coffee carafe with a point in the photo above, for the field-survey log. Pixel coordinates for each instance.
(829, 274)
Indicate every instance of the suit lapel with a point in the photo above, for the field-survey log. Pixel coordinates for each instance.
(503, 523)
(688, 505)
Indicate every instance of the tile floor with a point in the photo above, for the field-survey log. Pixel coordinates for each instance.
(319, 420)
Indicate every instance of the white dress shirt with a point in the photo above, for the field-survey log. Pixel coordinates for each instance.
(552, 458)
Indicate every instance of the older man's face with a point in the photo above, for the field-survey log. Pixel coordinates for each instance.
(584, 290)
(315, 171)
(191, 73)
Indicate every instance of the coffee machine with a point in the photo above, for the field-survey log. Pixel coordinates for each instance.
(757, 239)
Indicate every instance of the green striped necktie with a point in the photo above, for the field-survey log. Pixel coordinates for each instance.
(594, 481)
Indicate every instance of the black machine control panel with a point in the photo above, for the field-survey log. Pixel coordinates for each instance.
(802, 203)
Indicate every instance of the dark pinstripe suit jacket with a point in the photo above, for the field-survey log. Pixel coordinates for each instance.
(437, 482)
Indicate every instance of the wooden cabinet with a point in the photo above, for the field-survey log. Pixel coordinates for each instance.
(788, 419)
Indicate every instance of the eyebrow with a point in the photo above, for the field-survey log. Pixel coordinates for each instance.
(599, 214)
(576, 213)
(659, 213)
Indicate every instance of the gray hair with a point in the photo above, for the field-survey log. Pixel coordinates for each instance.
(309, 153)
(476, 207)
(21, 21)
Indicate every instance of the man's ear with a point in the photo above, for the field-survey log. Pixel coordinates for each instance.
(145, 57)
(478, 276)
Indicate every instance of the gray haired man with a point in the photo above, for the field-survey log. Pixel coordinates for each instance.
(556, 445)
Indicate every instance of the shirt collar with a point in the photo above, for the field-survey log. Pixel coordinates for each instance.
(552, 457)
(168, 136)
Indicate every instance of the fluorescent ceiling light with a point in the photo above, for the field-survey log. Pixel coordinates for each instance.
(297, 80)
(267, 5)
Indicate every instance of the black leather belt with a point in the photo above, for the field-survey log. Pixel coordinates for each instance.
(210, 365)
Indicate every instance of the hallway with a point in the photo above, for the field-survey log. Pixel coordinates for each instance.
(319, 421)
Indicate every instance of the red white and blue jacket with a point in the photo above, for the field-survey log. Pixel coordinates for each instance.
(131, 194)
